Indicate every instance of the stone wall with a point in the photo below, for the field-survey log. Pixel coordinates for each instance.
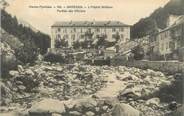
(164, 66)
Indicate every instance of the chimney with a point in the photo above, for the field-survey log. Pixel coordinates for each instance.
(94, 21)
(171, 20)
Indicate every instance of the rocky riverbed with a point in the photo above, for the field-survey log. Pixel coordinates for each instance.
(47, 89)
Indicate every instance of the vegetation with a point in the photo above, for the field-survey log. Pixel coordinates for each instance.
(59, 43)
(157, 20)
(51, 57)
(138, 53)
(25, 34)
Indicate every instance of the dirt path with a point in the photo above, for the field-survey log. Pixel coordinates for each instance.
(113, 87)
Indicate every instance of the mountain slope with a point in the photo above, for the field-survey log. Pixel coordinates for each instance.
(25, 34)
(157, 20)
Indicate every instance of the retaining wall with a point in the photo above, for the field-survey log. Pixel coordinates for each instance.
(164, 66)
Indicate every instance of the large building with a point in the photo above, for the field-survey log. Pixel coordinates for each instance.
(75, 31)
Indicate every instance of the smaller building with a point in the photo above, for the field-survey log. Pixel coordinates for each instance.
(165, 43)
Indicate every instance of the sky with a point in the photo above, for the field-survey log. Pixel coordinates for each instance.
(126, 11)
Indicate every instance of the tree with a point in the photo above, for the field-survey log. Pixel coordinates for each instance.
(59, 43)
(3, 4)
(101, 40)
(76, 45)
(27, 53)
(11, 25)
(138, 52)
(117, 36)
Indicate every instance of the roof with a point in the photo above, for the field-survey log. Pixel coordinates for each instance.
(89, 24)
(179, 21)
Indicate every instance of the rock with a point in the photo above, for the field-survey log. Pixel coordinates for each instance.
(124, 110)
(145, 92)
(105, 108)
(56, 114)
(4, 109)
(29, 72)
(89, 113)
(97, 109)
(74, 113)
(153, 101)
(172, 106)
(87, 103)
(179, 111)
(21, 87)
(19, 82)
(69, 104)
(47, 107)
(106, 114)
(60, 77)
(9, 114)
(6, 94)
(28, 81)
(13, 73)
(129, 93)
(20, 68)
(110, 102)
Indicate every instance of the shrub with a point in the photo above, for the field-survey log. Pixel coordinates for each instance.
(51, 57)
(8, 62)
(26, 54)
(138, 53)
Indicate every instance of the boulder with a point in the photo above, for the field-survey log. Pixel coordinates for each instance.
(46, 107)
(87, 103)
(172, 106)
(89, 113)
(13, 73)
(122, 109)
(28, 81)
(21, 87)
(74, 113)
(129, 93)
(29, 72)
(153, 101)
(110, 102)
(178, 112)
(20, 68)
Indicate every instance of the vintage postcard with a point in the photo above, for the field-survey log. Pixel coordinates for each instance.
(92, 58)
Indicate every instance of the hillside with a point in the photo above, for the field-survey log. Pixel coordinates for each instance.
(157, 20)
(25, 34)
(9, 44)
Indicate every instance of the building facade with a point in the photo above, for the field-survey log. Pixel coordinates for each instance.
(168, 40)
(76, 31)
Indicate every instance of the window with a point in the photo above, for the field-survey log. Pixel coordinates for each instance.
(114, 30)
(162, 47)
(127, 39)
(97, 30)
(121, 35)
(122, 29)
(65, 37)
(89, 29)
(65, 30)
(59, 29)
(73, 37)
(58, 36)
(167, 45)
(113, 36)
(171, 45)
(74, 29)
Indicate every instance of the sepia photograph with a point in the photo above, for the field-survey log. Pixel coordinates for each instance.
(92, 58)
